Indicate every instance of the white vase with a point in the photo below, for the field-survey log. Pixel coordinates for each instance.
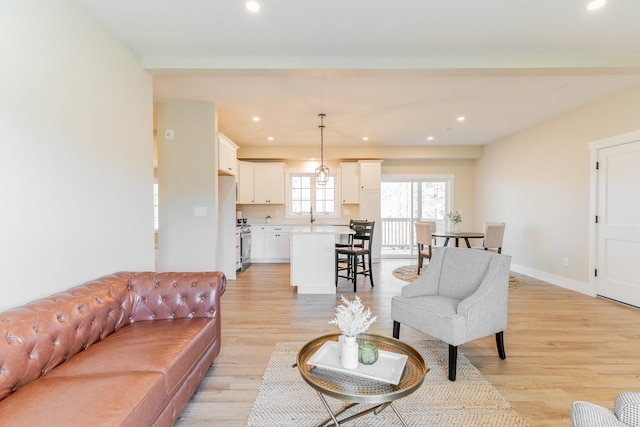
(456, 227)
(349, 353)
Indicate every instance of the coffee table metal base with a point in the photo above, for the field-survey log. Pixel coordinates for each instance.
(332, 416)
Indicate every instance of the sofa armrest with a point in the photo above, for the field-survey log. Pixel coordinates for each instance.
(627, 408)
(172, 295)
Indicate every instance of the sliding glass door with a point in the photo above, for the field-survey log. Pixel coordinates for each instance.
(405, 200)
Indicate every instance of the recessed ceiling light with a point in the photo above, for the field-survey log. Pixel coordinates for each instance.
(461, 119)
(252, 6)
(365, 138)
(429, 138)
(270, 138)
(596, 4)
(256, 118)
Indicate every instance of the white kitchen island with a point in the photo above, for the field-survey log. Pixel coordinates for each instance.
(313, 257)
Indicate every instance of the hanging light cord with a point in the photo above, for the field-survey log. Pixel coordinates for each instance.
(322, 115)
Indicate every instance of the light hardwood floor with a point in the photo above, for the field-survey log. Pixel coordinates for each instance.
(561, 345)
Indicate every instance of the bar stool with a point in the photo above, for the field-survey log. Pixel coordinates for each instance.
(357, 258)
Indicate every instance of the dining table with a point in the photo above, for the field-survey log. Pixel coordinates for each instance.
(466, 235)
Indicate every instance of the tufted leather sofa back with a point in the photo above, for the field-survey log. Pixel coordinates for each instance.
(39, 336)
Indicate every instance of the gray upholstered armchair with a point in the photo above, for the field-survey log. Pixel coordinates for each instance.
(462, 295)
(626, 412)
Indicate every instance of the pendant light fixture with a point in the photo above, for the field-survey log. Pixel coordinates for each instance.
(322, 172)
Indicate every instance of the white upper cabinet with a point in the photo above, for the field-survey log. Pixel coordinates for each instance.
(350, 187)
(261, 183)
(227, 156)
(370, 174)
(245, 183)
(268, 183)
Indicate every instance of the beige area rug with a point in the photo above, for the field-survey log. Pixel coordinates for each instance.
(409, 273)
(284, 399)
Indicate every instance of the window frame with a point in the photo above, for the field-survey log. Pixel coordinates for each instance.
(289, 173)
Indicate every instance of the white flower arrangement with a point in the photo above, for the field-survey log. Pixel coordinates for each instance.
(455, 216)
(352, 318)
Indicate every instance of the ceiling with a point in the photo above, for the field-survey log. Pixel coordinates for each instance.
(395, 72)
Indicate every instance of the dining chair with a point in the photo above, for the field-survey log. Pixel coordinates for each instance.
(424, 240)
(493, 235)
(358, 258)
(461, 296)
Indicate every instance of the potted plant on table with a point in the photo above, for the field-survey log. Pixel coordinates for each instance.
(352, 319)
(455, 217)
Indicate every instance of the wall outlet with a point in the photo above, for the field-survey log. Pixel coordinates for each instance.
(566, 262)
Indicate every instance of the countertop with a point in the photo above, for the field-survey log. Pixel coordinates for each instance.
(332, 229)
(295, 223)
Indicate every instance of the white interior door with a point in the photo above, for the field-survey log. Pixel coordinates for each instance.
(618, 228)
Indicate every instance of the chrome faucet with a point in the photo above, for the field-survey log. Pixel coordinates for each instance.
(311, 212)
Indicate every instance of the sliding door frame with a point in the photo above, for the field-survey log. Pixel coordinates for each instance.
(449, 180)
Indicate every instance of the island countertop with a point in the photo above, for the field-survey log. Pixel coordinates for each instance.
(330, 229)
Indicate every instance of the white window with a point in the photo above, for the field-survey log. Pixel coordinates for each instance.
(300, 193)
(303, 194)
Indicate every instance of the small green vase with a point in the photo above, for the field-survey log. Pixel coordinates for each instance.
(367, 353)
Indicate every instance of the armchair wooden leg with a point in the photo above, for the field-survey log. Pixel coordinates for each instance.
(396, 330)
(453, 362)
(500, 344)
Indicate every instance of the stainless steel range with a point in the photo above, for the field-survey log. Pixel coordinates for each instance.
(245, 246)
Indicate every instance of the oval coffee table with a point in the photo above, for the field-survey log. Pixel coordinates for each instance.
(357, 389)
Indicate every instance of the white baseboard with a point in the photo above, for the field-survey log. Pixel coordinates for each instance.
(563, 282)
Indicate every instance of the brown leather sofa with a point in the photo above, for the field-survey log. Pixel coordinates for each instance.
(128, 349)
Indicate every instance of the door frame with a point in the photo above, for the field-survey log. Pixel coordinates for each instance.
(594, 148)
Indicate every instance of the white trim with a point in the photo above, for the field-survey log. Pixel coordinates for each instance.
(593, 209)
(560, 281)
(402, 176)
(612, 141)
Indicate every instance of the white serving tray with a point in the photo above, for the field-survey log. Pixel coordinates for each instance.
(388, 368)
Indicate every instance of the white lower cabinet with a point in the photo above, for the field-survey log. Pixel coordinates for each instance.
(257, 243)
(270, 243)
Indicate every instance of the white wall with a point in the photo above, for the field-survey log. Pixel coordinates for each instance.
(76, 166)
(187, 181)
(537, 182)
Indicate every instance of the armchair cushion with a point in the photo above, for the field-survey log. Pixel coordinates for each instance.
(437, 311)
